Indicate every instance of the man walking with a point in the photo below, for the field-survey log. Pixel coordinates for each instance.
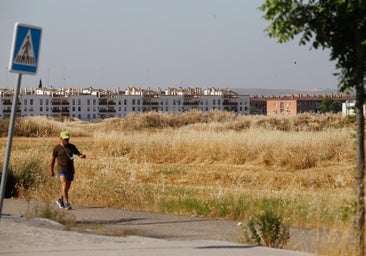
(64, 152)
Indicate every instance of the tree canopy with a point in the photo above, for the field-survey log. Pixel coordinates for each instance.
(330, 105)
(338, 25)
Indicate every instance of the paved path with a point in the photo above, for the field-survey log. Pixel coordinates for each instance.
(140, 233)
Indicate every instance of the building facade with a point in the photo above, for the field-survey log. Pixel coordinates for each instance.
(298, 104)
(88, 104)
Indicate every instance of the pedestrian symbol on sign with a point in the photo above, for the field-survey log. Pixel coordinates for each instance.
(25, 54)
(24, 57)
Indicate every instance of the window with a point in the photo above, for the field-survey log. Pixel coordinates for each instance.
(41, 102)
(282, 107)
(31, 101)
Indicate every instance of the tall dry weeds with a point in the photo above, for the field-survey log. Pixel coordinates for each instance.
(212, 164)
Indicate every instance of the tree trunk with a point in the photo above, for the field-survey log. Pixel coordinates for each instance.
(360, 175)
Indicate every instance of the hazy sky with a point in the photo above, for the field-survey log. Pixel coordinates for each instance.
(159, 43)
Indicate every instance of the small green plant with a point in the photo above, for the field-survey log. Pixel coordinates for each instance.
(266, 229)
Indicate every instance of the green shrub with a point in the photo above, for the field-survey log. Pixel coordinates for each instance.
(266, 229)
(26, 175)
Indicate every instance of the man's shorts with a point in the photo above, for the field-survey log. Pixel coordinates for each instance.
(69, 176)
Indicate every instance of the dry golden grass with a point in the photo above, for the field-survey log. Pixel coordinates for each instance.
(211, 164)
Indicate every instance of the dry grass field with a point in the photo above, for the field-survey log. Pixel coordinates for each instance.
(209, 164)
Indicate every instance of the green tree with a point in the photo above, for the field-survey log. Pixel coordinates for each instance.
(340, 26)
(330, 105)
(335, 107)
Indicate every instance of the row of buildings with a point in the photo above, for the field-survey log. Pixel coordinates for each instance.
(88, 103)
(290, 105)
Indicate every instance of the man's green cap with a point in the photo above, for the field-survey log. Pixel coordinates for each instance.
(64, 135)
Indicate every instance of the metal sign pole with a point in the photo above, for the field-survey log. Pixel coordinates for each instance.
(4, 175)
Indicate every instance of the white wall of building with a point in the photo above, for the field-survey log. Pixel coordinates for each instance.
(126, 104)
(84, 107)
(170, 104)
(36, 105)
(209, 103)
(244, 105)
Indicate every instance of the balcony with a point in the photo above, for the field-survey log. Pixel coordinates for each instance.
(60, 102)
(60, 110)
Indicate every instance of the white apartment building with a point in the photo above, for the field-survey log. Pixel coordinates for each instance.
(88, 104)
(348, 108)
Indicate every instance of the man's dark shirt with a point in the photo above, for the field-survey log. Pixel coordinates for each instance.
(65, 157)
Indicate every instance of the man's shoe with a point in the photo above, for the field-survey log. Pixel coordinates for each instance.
(67, 206)
(60, 203)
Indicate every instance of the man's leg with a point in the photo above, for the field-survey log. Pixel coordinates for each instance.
(65, 186)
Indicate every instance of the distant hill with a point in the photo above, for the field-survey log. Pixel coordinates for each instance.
(284, 92)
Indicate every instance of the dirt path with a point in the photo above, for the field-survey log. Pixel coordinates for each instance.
(116, 222)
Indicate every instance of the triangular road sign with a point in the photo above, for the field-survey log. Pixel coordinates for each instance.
(25, 49)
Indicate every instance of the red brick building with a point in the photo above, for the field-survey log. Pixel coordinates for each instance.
(293, 105)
